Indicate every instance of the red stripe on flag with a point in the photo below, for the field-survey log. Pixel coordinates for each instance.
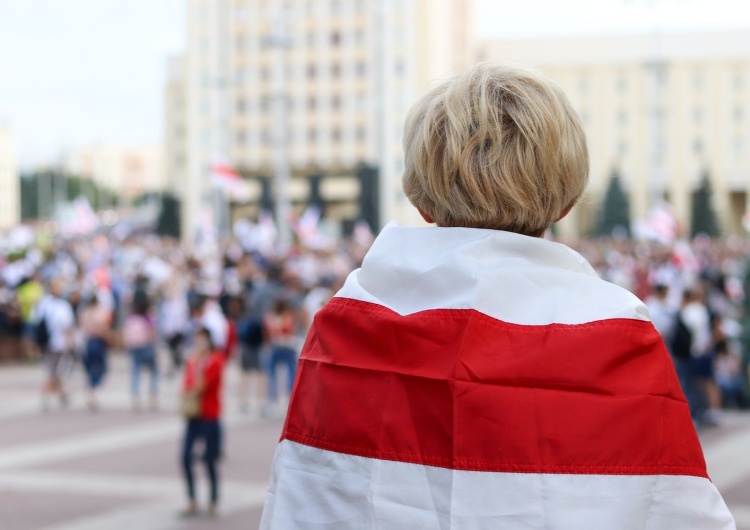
(224, 171)
(461, 390)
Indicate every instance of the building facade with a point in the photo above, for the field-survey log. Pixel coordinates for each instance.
(662, 111)
(10, 195)
(311, 87)
(128, 172)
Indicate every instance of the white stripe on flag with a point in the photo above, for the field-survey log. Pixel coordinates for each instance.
(315, 488)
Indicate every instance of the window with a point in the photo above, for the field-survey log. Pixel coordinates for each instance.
(240, 106)
(698, 115)
(360, 69)
(240, 138)
(336, 134)
(312, 135)
(738, 145)
(622, 117)
(361, 134)
(622, 84)
(335, 70)
(336, 102)
(697, 146)
(399, 67)
(583, 85)
(622, 147)
(335, 38)
(311, 71)
(738, 114)
(697, 80)
(312, 103)
(737, 80)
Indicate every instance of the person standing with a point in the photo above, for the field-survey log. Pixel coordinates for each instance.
(175, 320)
(96, 320)
(139, 339)
(55, 324)
(202, 391)
(697, 319)
(279, 328)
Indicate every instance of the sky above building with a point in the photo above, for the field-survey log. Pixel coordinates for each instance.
(76, 72)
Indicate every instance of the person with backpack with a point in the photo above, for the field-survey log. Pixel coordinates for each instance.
(53, 333)
(692, 345)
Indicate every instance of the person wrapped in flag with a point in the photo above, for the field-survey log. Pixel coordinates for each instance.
(473, 375)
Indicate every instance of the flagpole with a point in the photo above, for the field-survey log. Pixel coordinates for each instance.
(280, 41)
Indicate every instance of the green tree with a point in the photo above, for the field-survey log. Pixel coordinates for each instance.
(168, 223)
(614, 215)
(703, 219)
(39, 191)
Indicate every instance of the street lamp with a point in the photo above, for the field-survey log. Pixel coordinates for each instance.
(280, 41)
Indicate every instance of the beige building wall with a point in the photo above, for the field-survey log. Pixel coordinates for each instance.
(662, 111)
(352, 68)
(129, 172)
(10, 195)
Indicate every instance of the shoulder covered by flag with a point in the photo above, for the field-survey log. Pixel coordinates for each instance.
(468, 378)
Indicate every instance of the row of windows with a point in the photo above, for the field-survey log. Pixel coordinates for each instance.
(312, 103)
(659, 149)
(312, 71)
(622, 117)
(312, 135)
(661, 77)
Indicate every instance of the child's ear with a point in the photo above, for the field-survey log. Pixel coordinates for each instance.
(427, 218)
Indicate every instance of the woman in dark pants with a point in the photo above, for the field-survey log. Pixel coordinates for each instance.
(202, 409)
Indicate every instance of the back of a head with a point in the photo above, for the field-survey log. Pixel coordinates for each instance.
(497, 147)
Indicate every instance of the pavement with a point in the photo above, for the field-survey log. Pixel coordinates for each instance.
(74, 469)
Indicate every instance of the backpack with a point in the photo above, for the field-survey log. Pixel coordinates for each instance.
(681, 342)
(41, 333)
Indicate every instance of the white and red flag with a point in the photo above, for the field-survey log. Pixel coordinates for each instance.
(478, 379)
(229, 180)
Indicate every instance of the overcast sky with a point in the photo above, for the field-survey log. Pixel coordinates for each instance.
(73, 72)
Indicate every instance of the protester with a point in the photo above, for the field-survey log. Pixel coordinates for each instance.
(95, 322)
(140, 340)
(278, 330)
(474, 374)
(174, 322)
(54, 326)
(696, 317)
(28, 295)
(202, 391)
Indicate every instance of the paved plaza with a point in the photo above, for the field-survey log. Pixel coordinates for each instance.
(72, 469)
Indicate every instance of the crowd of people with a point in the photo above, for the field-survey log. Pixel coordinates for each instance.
(241, 307)
(695, 293)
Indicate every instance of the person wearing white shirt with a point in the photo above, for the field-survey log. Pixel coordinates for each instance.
(697, 319)
(56, 314)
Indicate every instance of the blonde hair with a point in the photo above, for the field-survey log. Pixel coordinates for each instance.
(497, 147)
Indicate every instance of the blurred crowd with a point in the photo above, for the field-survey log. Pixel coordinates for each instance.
(75, 302)
(79, 300)
(696, 295)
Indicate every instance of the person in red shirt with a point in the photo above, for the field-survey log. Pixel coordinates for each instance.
(202, 408)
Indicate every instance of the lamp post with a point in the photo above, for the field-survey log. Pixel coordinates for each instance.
(280, 41)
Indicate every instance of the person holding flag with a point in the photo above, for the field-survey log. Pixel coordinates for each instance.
(475, 375)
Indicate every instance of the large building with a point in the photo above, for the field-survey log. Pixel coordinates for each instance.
(10, 196)
(662, 111)
(129, 172)
(329, 80)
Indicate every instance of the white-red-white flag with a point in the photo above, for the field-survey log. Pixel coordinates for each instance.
(229, 180)
(467, 378)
